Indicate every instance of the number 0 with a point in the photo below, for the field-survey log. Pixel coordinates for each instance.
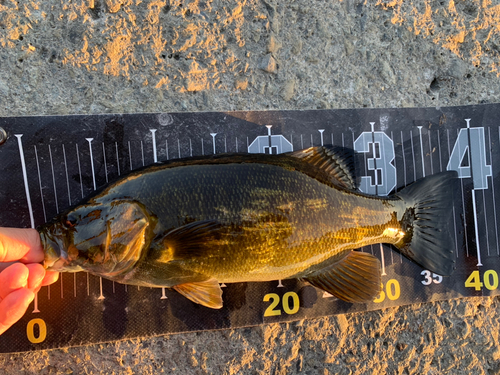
(392, 294)
(286, 303)
(42, 331)
(490, 283)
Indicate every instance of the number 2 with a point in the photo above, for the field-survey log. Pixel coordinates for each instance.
(270, 311)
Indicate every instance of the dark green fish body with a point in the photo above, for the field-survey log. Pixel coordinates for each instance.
(195, 223)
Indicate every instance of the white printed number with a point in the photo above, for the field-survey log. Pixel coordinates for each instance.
(430, 278)
(471, 146)
(382, 148)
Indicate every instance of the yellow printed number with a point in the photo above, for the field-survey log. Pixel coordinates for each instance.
(381, 296)
(490, 280)
(270, 311)
(42, 331)
(392, 291)
(286, 303)
(289, 298)
(474, 281)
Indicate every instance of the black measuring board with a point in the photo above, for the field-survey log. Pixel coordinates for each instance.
(50, 163)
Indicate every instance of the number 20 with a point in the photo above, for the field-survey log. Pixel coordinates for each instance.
(272, 311)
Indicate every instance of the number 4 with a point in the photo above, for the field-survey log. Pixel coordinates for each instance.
(474, 281)
(471, 140)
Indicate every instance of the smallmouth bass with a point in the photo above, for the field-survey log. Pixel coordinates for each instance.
(194, 223)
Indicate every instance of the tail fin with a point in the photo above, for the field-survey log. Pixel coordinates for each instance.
(429, 223)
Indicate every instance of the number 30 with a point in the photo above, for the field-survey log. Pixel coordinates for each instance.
(392, 290)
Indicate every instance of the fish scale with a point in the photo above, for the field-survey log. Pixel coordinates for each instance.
(236, 218)
(314, 233)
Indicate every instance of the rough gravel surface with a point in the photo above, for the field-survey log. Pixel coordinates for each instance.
(121, 56)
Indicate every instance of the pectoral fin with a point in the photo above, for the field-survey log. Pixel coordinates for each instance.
(207, 293)
(189, 240)
(355, 278)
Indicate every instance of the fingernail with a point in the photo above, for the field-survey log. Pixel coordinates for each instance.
(24, 281)
(32, 297)
(37, 283)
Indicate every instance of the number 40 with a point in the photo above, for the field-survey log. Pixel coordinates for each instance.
(490, 279)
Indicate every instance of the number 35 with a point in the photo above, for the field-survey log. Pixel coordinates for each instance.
(436, 279)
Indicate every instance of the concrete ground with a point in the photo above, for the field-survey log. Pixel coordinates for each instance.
(109, 56)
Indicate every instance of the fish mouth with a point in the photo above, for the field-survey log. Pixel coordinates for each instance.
(56, 257)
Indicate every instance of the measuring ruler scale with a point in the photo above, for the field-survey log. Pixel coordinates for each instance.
(50, 163)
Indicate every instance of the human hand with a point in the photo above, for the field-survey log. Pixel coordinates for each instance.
(21, 274)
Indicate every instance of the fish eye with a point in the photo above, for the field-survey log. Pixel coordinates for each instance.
(70, 221)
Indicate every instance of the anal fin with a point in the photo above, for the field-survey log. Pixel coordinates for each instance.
(354, 278)
(207, 293)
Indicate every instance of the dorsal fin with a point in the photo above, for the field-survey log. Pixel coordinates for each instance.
(336, 161)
